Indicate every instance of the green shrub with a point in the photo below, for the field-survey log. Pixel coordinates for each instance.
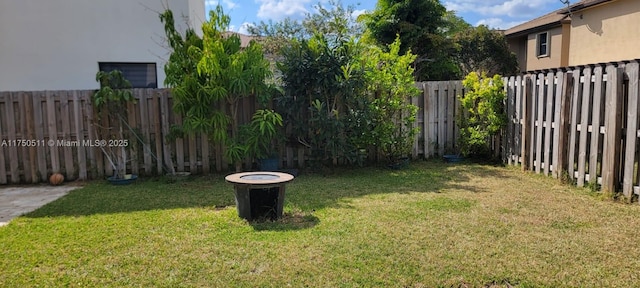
(482, 113)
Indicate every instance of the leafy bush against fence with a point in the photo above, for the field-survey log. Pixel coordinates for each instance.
(345, 96)
(340, 94)
(483, 113)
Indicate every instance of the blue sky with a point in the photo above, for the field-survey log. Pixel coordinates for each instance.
(501, 14)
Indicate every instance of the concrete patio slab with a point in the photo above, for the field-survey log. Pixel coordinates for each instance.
(19, 200)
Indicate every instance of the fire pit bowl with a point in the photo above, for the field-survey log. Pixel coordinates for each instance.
(259, 195)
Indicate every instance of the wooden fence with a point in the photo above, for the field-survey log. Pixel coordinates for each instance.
(581, 123)
(43, 132)
(438, 106)
(54, 131)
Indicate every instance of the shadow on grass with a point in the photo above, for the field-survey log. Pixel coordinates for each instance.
(308, 192)
(288, 222)
(153, 193)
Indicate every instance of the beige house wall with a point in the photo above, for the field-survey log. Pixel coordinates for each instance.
(566, 43)
(518, 46)
(605, 33)
(554, 58)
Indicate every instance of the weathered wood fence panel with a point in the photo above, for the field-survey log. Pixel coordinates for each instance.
(55, 131)
(43, 132)
(439, 107)
(582, 123)
(631, 173)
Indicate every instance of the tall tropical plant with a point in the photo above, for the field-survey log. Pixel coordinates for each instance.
(263, 128)
(211, 76)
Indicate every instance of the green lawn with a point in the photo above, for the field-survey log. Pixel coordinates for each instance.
(432, 225)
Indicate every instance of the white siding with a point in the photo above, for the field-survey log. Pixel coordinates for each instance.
(56, 45)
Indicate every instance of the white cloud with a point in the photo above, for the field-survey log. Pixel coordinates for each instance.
(459, 6)
(211, 3)
(498, 23)
(357, 13)
(511, 8)
(280, 9)
(519, 8)
(244, 28)
(227, 4)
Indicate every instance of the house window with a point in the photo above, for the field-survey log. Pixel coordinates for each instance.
(543, 44)
(141, 75)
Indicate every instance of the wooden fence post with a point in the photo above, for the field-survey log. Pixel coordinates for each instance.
(164, 118)
(509, 89)
(517, 150)
(28, 111)
(193, 165)
(79, 126)
(451, 100)
(52, 131)
(11, 130)
(563, 121)
(133, 145)
(65, 130)
(526, 123)
(539, 127)
(596, 124)
(584, 125)
(204, 142)
(573, 129)
(548, 123)
(560, 78)
(415, 100)
(426, 152)
(92, 158)
(632, 129)
(613, 125)
(179, 150)
(155, 122)
(3, 169)
(145, 124)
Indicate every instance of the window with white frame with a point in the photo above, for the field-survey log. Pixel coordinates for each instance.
(141, 75)
(542, 44)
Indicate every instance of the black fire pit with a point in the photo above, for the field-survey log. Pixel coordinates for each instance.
(259, 195)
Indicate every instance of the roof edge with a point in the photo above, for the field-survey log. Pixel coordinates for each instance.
(584, 5)
(544, 26)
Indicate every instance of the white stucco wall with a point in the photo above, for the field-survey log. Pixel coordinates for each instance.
(56, 45)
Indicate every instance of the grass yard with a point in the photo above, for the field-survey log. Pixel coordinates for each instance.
(432, 225)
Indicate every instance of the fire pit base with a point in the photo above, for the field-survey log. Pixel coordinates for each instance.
(259, 195)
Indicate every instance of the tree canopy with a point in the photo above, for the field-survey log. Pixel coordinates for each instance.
(483, 50)
(333, 20)
(419, 25)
